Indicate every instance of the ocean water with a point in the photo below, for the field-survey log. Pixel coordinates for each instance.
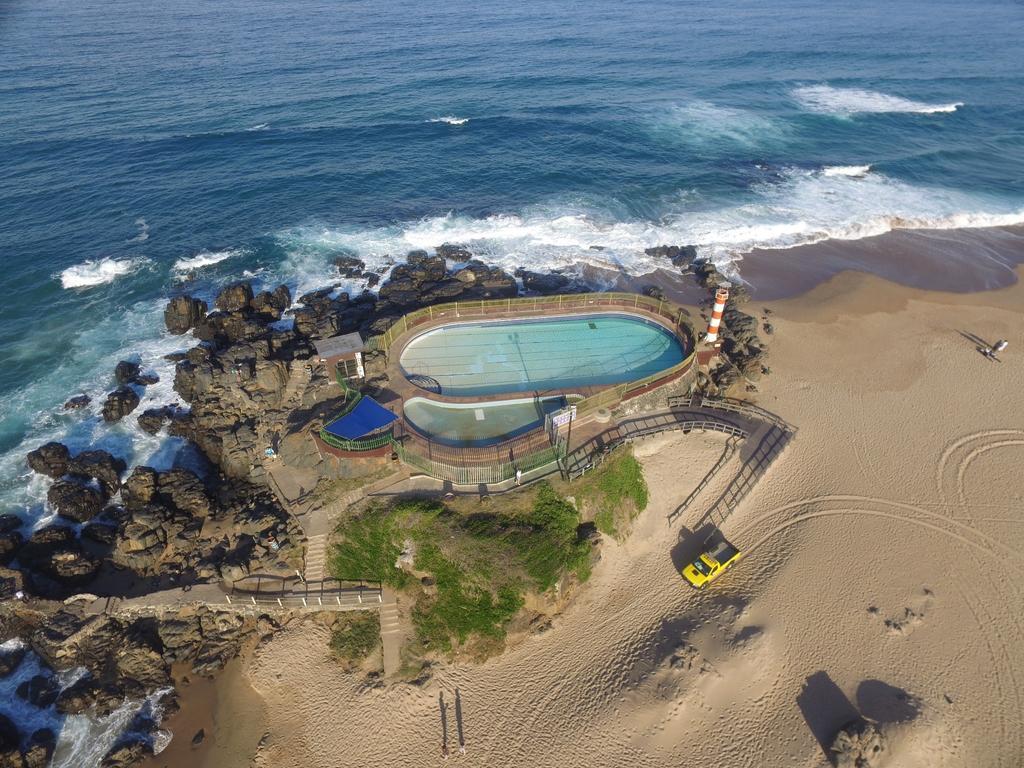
(150, 148)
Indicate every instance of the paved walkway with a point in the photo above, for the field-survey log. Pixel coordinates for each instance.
(316, 557)
(391, 634)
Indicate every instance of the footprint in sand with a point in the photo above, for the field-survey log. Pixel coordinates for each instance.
(911, 617)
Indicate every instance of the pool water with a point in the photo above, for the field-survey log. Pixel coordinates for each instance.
(466, 359)
(478, 423)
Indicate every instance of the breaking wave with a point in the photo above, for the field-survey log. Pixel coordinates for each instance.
(260, 127)
(851, 101)
(796, 207)
(205, 259)
(845, 170)
(702, 123)
(97, 272)
(449, 119)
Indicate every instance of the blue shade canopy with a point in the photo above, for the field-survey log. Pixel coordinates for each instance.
(368, 416)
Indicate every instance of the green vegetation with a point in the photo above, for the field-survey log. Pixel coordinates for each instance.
(369, 550)
(614, 493)
(355, 635)
(472, 566)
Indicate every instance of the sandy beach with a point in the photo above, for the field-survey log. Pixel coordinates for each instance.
(881, 577)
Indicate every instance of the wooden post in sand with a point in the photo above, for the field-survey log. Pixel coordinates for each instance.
(721, 296)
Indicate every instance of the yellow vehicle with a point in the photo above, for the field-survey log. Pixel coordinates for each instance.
(710, 564)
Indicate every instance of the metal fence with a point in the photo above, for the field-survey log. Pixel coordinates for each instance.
(469, 466)
(526, 305)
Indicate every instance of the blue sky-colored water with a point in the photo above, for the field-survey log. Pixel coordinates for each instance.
(148, 148)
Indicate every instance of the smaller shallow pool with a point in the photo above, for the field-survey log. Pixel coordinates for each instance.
(478, 423)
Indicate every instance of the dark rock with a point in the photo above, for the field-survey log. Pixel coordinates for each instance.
(55, 552)
(234, 298)
(654, 291)
(183, 313)
(119, 404)
(140, 487)
(146, 379)
(456, 253)
(127, 753)
(544, 284)
(10, 537)
(152, 420)
(198, 738)
(40, 748)
(349, 266)
(185, 491)
(50, 459)
(9, 660)
(10, 743)
(39, 690)
(88, 692)
(75, 501)
(371, 278)
(77, 403)
(175, 357)
(101, 465)
(126, 371)
(271, 305)
(679, 255)
(100, 533)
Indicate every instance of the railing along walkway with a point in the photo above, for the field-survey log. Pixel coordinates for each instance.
(735, 418)
(590, 454)
(257, 593)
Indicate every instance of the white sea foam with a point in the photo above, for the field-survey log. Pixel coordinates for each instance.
(260, 127)
(846, 170)
(794, 207)
(851, 101)
(86, 365)
(449, 119)
(97, 272)
(143, 234)
(205, 259)
(701, 123)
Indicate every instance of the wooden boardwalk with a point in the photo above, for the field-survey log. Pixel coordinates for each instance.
(256, 595)
(763, 433)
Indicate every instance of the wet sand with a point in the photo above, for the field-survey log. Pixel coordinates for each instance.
(954, 260)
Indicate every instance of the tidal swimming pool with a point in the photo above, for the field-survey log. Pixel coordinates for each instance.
(477, 424)
(569, 352)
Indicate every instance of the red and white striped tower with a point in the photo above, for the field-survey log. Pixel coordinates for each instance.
(721, 296)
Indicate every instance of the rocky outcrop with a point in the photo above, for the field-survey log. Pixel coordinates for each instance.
(349, 266)
(537, 282)
(183, 313)
(11, 538)
(424, 280)
(152, 420)
(101, 466)
(75, 501)
(77, 402)
(120, 403)
(50, 459)
(56, 554)
(679, 255)
(39, 690)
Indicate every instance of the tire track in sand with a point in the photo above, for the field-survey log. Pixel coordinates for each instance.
(993, 636)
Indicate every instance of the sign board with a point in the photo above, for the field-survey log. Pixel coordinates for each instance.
(563, 417)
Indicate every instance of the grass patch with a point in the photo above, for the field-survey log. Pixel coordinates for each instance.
(369, 549)
(473, 565)
(355, 635)
(614, 493)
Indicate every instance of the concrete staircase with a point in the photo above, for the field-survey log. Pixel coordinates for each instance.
(390, 633)
(316, 558)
